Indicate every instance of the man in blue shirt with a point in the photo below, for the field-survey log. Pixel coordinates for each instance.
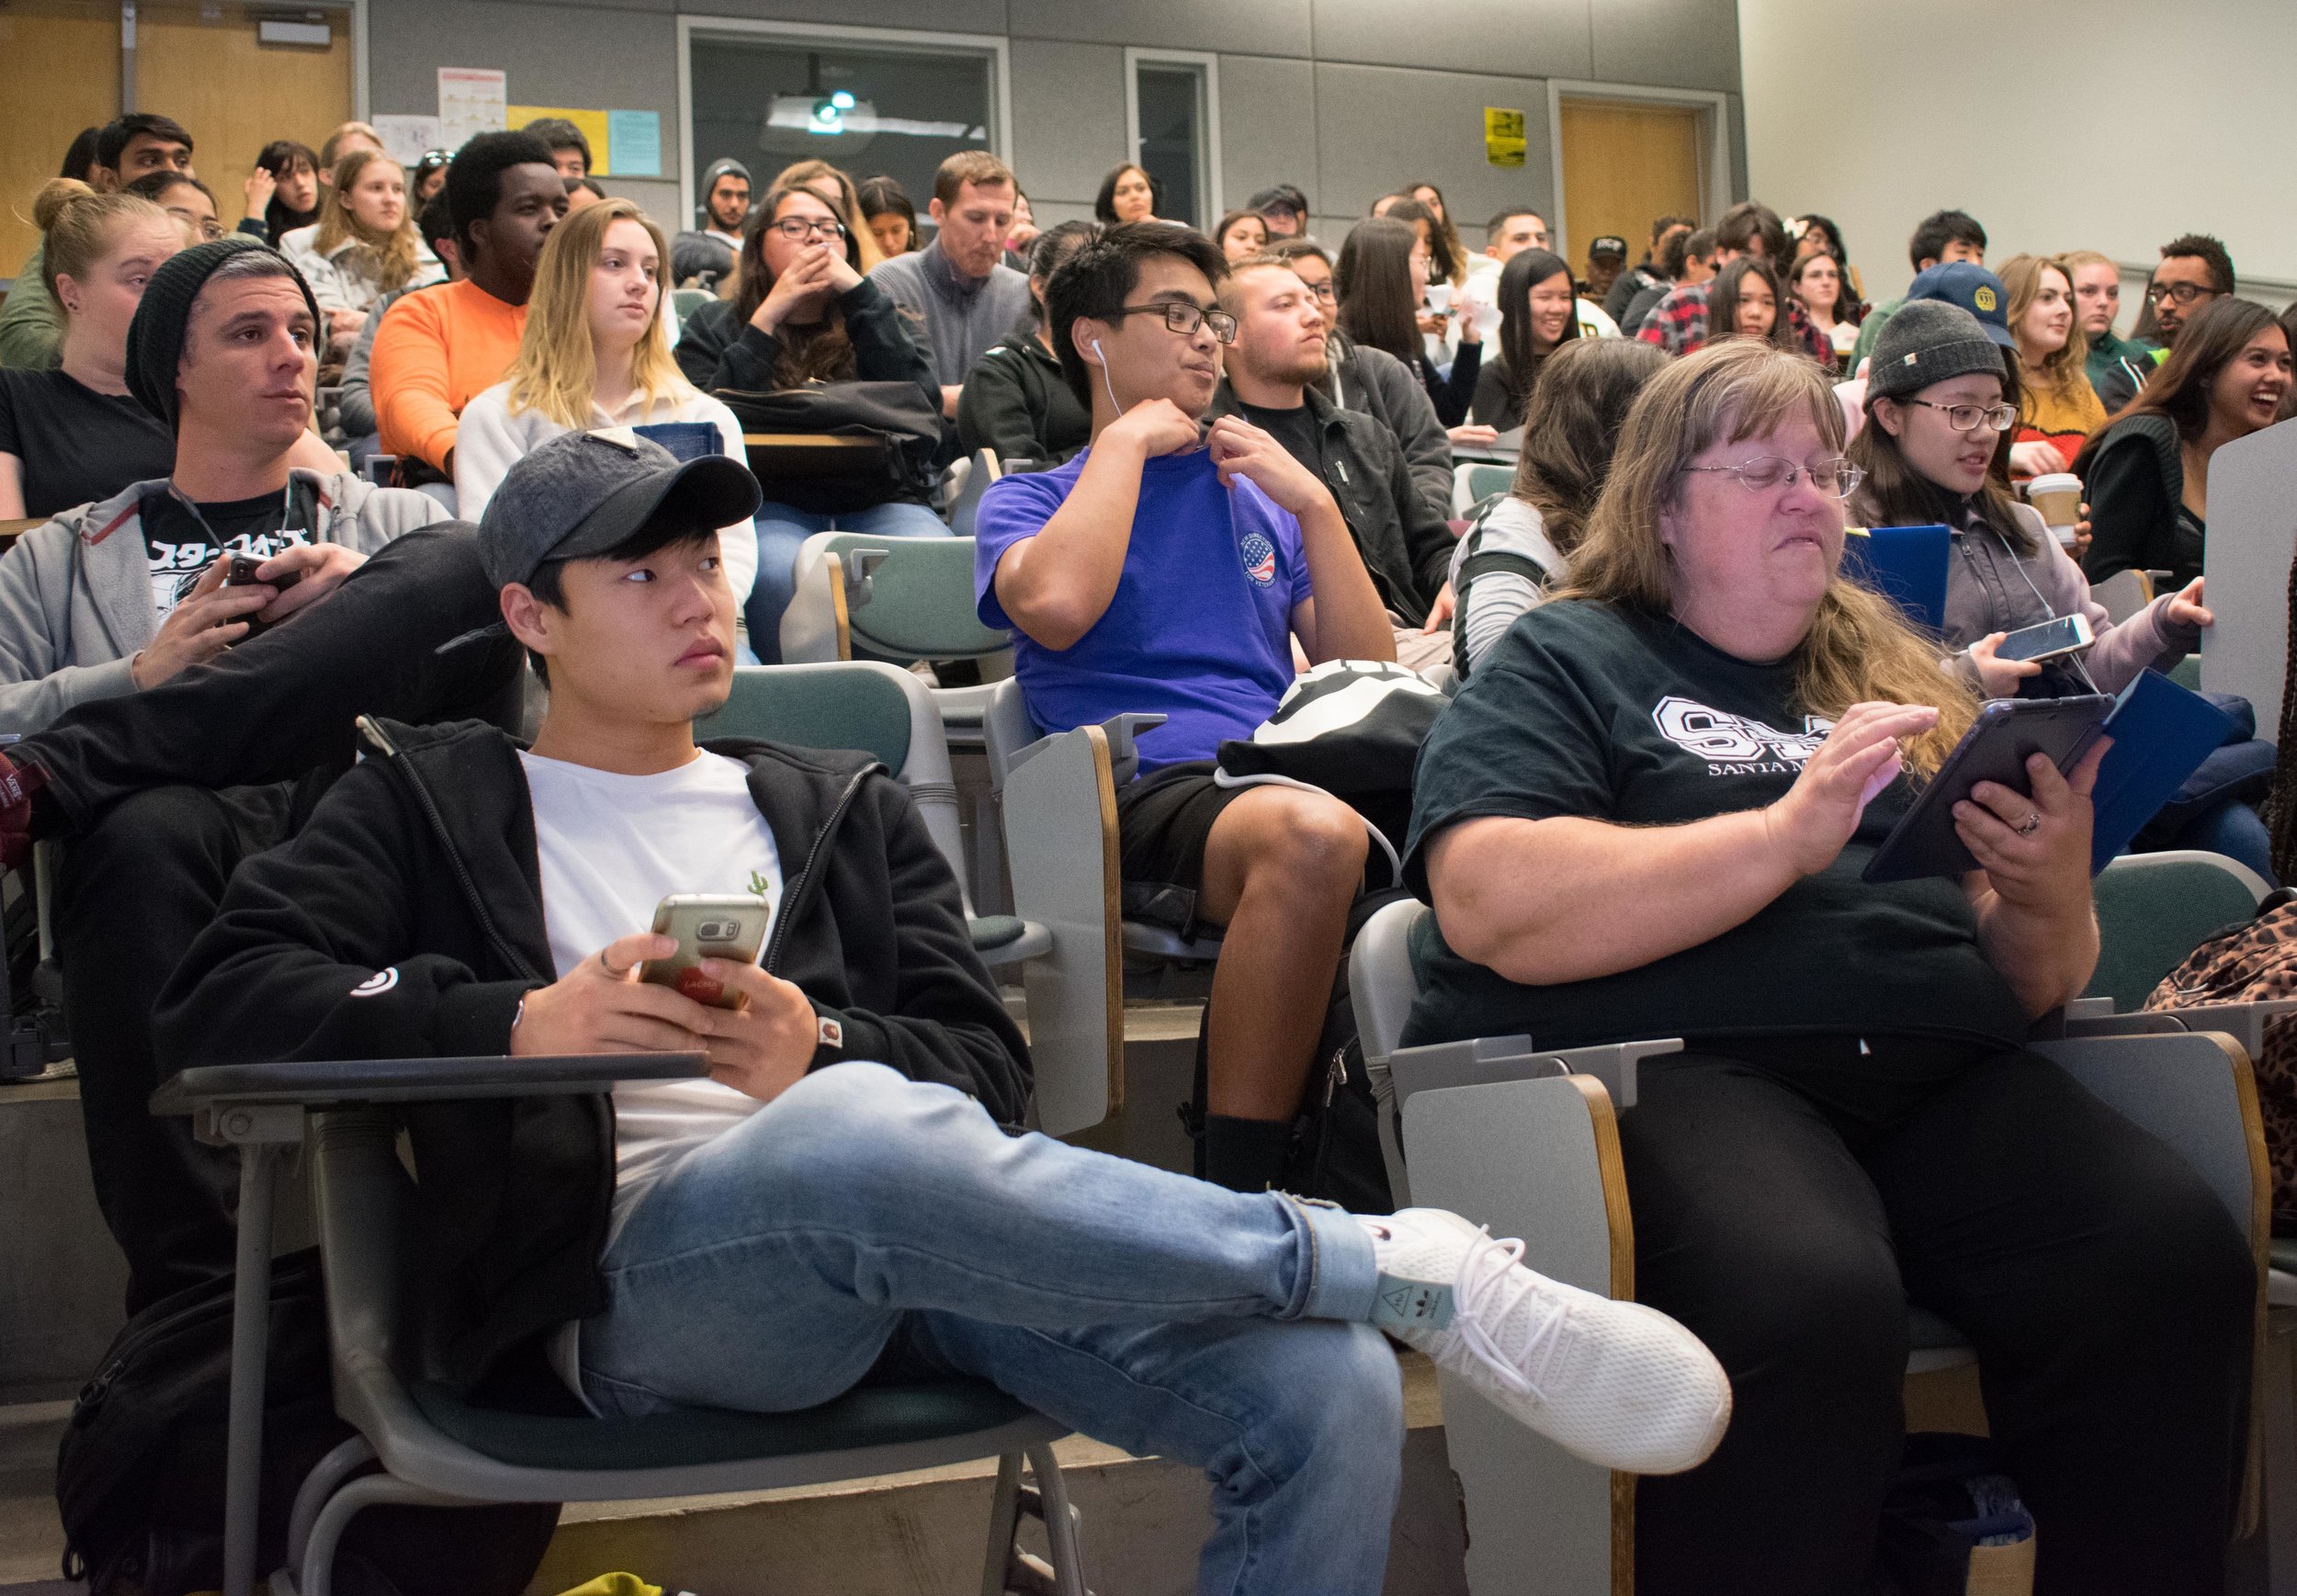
(1168, 568)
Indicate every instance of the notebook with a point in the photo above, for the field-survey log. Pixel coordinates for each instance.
(2161, 734)
(1905, 564)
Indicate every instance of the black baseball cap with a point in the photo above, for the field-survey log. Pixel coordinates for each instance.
(1608, 244)
(583, 493)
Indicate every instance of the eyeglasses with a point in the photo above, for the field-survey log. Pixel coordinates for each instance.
(2184, 293)
(797, 229)
(1324, 291)
(1970, 417)
(1183, 318)
(1835, 479)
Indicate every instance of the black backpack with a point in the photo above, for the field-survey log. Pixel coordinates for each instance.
(140, 1473)
(904, 430)
(1336, 1133)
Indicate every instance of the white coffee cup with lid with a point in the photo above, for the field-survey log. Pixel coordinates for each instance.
(2058, 496)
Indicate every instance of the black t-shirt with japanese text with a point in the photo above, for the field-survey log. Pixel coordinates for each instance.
(181, 544)
(1590, 710)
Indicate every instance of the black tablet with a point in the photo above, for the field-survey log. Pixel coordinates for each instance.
(2007, 733)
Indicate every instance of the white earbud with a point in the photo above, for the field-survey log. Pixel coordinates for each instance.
(1105, 376)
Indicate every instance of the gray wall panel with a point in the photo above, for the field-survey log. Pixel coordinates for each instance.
(1264, 26)
(1267, 127)
(935, 16)
(1527, 37)
(1378, 127)
(1677, 43)
(1068, 117)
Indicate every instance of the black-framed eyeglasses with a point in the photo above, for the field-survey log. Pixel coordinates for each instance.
(1325, 292)
(1835, 479)
(797, 229)
(1183, 318)
(2184, 293)
(1970, 417)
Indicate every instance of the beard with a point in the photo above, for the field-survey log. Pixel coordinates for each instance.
(1304, 369)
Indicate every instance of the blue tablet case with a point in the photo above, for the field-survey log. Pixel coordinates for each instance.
(2161, 734)
(1905, 564)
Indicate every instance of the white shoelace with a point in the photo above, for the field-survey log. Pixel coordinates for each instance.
(1488, 1295)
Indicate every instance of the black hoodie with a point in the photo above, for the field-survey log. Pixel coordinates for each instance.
(405, 921)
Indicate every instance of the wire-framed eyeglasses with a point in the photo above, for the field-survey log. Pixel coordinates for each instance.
(1834, 478)
(1970, 417)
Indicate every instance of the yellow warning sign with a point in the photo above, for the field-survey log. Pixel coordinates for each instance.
(1503, 136)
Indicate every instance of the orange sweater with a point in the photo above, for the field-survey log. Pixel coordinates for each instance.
(436, 351)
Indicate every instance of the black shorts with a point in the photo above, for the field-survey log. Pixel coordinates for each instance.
(1163, 819)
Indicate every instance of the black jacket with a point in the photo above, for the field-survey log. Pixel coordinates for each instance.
(1384, 387)
(2134, 473)
(716, 350)
(420, 864)
(1017, 402)
(1406, 546)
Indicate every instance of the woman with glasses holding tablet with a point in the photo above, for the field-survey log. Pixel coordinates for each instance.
(1647, 815)
(803, 313)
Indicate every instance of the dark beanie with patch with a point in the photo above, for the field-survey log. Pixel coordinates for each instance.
(155, 338)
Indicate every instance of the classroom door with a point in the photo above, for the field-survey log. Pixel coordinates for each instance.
(207, 66)
(59, 73)
(1622, 165)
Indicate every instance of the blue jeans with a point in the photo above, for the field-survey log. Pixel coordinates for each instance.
(862, 1213)
(780, 532)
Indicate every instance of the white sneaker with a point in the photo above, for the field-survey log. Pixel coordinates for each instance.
(1615, 1382)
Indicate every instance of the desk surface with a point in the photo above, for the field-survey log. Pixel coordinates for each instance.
(805, 440)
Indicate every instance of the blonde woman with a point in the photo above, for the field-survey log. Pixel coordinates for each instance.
(364, 244)
(1645, 815)
(595, 353)
(2057, 408)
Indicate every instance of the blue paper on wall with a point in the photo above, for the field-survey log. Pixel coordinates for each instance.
(634, 143)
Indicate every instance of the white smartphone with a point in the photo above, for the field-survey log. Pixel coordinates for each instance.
(730, 926)
(2053, 639)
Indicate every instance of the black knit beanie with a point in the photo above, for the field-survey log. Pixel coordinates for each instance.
(155, 338)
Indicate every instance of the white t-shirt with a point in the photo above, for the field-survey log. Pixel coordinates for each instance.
(611, 848)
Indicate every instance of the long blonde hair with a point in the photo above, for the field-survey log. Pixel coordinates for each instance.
(2022, 275)
(556, 368)
(390, 259)
(1858, 648)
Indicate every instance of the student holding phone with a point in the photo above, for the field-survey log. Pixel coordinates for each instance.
(846, 1198)
(1647, 815)
(1939, 417)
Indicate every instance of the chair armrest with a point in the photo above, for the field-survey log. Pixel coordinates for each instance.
(1119, 729)
(313, 1083)
(2196, 1092)
(1488, 1059)
(2245, 1022)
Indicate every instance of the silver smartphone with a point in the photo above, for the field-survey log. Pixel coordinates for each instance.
(730, 926)
(2053, 639)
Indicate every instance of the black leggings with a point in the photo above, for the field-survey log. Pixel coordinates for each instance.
(1790, 1201)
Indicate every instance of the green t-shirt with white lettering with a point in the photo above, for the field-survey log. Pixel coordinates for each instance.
(1587, 709)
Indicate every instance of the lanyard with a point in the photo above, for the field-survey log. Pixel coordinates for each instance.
(286, 510)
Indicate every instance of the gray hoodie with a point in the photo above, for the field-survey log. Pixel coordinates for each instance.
(1991, 589)
(76, 595)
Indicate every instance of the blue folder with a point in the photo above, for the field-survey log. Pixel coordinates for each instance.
(1906, 565)
(2161, 734)
(686, 440)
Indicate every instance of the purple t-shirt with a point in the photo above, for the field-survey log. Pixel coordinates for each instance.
(1200, 629)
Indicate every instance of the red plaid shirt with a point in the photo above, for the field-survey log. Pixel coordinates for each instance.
(1678, 324)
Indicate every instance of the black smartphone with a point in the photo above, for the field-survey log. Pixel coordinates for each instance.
(2007, 733)
(241, 573)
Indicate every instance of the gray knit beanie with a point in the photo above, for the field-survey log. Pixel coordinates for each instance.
(1928, 341)
(155, 338)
